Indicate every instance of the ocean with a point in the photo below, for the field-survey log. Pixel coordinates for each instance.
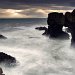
(36, 54)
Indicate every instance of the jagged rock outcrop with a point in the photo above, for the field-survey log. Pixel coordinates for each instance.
(55, 24)
(7, 59)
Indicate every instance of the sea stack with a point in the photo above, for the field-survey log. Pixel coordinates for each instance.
(55, 23)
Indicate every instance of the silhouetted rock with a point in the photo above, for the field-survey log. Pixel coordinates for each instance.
(70, 23)
(68, 19)
(55, 24)
(7, 59)
(55, 18)
(2, 37)
(41, 28)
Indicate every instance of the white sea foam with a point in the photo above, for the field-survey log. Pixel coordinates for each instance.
(37, 54)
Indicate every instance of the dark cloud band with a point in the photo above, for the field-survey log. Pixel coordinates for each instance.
(20, 4)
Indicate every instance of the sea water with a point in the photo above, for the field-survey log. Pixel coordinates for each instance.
(36, 54)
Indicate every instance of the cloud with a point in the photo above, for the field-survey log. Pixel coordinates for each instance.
(34, 12)
(33, 8)
(10, 13)
(22, 4)
(27, 13)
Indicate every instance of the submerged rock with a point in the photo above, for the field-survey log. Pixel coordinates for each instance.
(7, 59)
(41, 28)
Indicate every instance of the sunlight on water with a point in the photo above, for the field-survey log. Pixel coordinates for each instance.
(37, 54)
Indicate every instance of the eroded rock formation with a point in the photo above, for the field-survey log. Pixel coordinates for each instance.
(55, 24)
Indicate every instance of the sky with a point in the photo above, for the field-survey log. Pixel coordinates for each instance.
(33, 8)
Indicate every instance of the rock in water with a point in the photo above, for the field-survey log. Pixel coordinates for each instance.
(55, 17)
(55, 24)
(7, 59)
(41, 28)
